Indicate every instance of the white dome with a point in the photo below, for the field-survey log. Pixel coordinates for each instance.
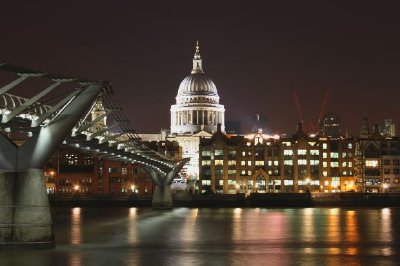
(197, 103)
(197, 84)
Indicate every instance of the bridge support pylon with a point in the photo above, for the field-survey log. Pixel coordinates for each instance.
(25, 217)
(162, 195)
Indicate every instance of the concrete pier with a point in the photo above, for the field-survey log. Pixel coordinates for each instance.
(25, 219)
(162, 196)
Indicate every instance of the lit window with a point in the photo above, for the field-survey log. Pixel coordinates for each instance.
(302, 152)
(324, 146)
(314, 152)
(350, 145)
(219, 152)
(269, 163)
(206, 153)
(344, 164)
(249, 163)
(350, 164)
(324, 155)
(276, 163)
(287, 152)
(124, 171)
(218, 162)
(334, 164)
(249, 172)
(242, 163)
(302, 162)
(259, 163)
(286, 143)
(288, 162)
(371, 163)
(324, 164)
(334, 155)
(325, 173)
(232, 162)
(206, 182)
(335, 181)
(206, 162)
(326, 183)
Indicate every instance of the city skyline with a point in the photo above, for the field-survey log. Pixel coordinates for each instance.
(258, 55)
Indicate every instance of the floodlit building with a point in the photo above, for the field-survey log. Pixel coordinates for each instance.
(263, 163)
(388, 129)
(196, 114)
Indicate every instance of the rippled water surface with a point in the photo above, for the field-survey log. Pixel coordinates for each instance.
(140, 236)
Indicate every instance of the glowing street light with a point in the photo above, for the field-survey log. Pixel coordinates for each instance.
(133, 188)
(385, 186)
(76, 187)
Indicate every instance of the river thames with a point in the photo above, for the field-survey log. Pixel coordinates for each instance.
(220, 236)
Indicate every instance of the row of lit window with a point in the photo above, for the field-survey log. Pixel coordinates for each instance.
(344, 173)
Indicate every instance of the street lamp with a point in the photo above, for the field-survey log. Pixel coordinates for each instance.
(385, 186)
(133, 188)
(76, 188)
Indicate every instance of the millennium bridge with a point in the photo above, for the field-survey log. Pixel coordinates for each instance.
(40, 111)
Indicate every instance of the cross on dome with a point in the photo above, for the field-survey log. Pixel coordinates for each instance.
(197, 62)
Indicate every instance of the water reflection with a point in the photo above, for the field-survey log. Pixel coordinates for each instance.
(351, 230)
(76, 236)
(132, 230)
(333, 227)
(76, 259)
(137, 236)
(188, 232)
(386, 225)
(308, 229)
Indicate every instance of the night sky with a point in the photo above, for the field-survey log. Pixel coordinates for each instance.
(258, 53)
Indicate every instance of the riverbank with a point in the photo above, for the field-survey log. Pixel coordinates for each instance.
(237, 200)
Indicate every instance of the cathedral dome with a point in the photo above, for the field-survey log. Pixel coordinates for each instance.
(197, 105)
(197, 84)
(197, 87)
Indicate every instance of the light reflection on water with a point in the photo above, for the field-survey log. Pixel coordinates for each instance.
(131, 236)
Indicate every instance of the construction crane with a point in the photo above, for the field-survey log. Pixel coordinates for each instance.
(312, 123)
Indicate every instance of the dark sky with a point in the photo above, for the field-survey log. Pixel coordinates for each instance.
(257, 52)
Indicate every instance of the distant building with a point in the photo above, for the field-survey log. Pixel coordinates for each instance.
(388, 129)
(330, 126)
(259, 123)
(72, 171)
(233, 127)
(365, 131)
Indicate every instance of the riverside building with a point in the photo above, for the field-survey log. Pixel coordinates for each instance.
(262, 163)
